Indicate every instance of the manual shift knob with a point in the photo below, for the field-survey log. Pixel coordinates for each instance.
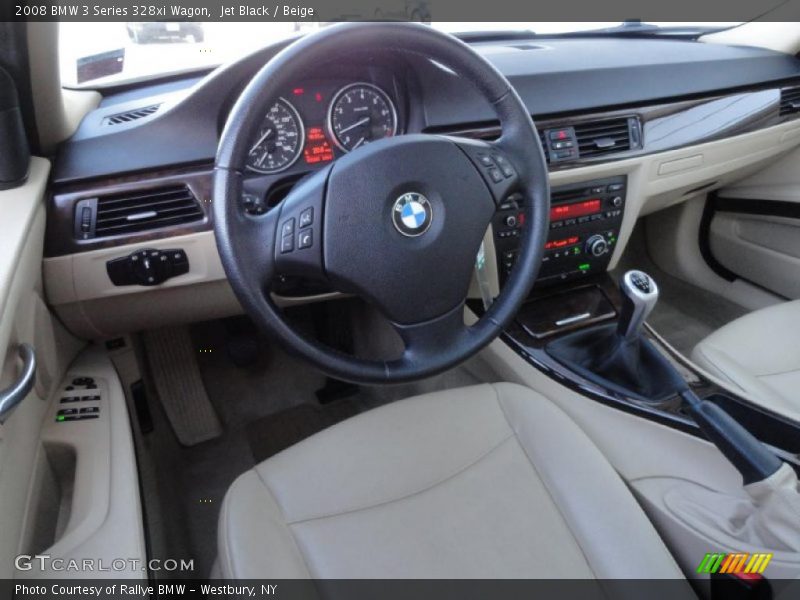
(639, 297)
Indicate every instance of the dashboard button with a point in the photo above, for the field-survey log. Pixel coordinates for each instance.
(505, 167)
(305, 239)
(306, 218)
(287, 228)
(495, 174)
(287, 244)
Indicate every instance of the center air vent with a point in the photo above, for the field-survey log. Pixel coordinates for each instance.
(135, 211)
(131, 115)
(790, 101)
(596, 138)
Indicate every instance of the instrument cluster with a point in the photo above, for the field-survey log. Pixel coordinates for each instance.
(317, 122)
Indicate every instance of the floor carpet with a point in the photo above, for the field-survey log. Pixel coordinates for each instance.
(264, 407)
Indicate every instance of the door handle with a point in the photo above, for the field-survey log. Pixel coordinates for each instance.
(18, 391)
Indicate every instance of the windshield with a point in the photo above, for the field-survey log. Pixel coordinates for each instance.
(98, 54)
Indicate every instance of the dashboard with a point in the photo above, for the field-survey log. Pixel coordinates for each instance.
(651, 123)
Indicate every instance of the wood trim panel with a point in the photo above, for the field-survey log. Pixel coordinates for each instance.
(60, 239)
(667, 126)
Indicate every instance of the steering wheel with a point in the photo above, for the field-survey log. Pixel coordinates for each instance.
(398, 222)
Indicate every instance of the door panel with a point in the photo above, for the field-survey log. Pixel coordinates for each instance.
(24, 318)
(753, 228)
(761, 248)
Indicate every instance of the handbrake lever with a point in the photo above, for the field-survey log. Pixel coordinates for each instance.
(749, 455)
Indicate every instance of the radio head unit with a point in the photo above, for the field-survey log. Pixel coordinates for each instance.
(585, 219)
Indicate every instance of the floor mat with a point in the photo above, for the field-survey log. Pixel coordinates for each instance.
(274, 433)
(194, 479)
(176, 376)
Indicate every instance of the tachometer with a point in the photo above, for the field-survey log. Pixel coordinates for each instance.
(361, 113)
(279, 141)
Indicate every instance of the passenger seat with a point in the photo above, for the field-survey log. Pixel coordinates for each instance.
(759, 354)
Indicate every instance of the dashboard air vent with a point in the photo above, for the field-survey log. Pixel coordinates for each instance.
(790, 101)
(131, 115)
(141, 210)
(596, 138)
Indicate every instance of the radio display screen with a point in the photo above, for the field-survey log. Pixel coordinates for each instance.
(578, 209)
(570, 241)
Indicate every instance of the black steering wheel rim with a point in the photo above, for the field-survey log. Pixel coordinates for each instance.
(249, 246)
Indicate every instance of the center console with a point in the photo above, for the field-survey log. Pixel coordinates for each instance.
(585, 220)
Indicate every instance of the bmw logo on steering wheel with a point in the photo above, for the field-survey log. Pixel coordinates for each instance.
(412, 214)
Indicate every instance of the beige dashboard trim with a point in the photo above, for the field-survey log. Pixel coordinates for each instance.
(83, 276)
(681, 164)
(59, 111)
(77, 285)
(774, 35)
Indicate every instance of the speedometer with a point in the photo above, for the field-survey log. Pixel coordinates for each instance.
(361, 113)
(279, 141)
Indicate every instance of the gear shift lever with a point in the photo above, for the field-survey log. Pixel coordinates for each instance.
(619, 356)
(622, 360)
(640, 294)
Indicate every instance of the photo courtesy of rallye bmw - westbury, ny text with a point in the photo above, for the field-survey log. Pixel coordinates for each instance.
(400, 299)
(139, 590)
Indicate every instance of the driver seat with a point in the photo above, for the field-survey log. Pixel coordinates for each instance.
(490, 481)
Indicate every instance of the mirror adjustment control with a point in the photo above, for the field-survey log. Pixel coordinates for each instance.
(147, 267)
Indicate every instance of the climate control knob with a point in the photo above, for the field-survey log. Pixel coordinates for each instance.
(596, 245)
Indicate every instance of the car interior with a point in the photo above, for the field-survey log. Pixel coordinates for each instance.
(379, 301)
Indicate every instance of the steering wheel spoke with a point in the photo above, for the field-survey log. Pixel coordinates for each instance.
(298, 243)
(495, 165)
(255, 234)
(433, 339)
(257, 240)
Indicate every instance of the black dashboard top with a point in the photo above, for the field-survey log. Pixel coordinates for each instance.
(553, 76)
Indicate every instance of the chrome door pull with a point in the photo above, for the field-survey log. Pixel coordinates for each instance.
(11, 396)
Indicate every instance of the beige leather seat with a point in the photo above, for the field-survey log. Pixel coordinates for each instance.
(760, 355)
(480, 482)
